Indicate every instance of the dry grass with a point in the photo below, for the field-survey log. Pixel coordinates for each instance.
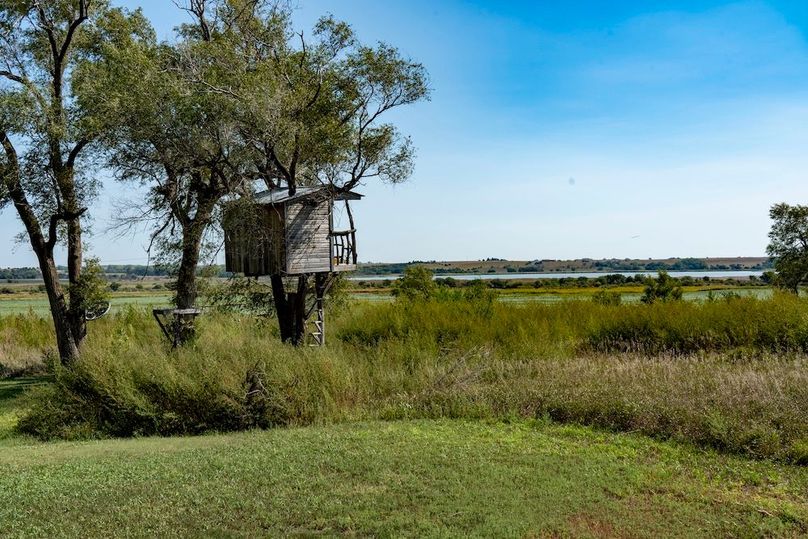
(454, 359)
(24, 342)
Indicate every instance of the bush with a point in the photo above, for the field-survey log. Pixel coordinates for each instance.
(606, 297)
(724, 374)
(416, 284)
(129, 383)
(91, 286)
(663, 288)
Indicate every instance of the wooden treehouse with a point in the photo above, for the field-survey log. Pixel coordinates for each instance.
(292, 237)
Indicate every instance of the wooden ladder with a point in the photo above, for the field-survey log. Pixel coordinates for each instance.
(316, 337)
(318, 333)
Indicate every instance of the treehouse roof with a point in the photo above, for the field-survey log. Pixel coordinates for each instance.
(281, 195)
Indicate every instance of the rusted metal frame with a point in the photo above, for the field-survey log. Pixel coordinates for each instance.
(156, 313)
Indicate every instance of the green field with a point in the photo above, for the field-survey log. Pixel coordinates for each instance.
(405, 478)
(23, 302)
(443, 418)
(39, 304)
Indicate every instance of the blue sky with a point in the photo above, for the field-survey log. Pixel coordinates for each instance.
(571, 129)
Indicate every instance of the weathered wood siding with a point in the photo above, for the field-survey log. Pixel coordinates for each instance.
(308, 243)
(254, 245)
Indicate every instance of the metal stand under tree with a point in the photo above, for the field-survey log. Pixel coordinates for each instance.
(177, 324)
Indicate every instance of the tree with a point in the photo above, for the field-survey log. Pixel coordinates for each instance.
(242, 103)
(663, 288)
(179, 139)
(788, 245)
(46, 130)
(417, 283)
(312, 115)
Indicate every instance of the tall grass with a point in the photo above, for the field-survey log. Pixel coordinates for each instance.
(729, 374)
(24, 341)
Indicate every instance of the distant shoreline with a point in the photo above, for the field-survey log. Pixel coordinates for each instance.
(547, 268)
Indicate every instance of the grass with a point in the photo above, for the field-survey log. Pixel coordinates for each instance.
(410, 478)
(38, 303)
(434, 419)
(729, 375)
(12, 403)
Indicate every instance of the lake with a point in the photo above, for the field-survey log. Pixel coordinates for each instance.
(726, 274)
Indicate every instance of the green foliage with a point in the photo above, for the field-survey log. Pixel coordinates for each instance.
(39, 119)
(724, 374)
(788, 245)
(239, 295)
(607, 297)
(19, 273)
(283, 111)
(663, 288)
(417, 283)
(92, 285)
(128, 383)
(479, 291)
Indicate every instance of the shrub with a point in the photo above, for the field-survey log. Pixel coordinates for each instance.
(663, 288)
(92, 285)
(416, 284)
(128, 382)
(606, 297)
(724, 374)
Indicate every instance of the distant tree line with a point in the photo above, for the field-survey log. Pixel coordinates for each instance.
(538, 266)
(604, 281)
(126, 272)
(16, 274)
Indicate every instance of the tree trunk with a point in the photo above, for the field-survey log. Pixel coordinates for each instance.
(186, 275)
(192, 234)
(77, 314)
(187, 292)
(66, 343)
(291, 309)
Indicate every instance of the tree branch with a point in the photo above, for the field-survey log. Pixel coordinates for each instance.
(27, 84)
(11, 180)
(47, 25)
(74, 153)
(72, 30)
(54, 224)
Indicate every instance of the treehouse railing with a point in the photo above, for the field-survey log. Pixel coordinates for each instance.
(343, 250)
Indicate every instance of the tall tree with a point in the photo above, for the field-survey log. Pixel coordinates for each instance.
(245, 103)
(179, 140)
(788, 245)
(311, 111)
(46, 129)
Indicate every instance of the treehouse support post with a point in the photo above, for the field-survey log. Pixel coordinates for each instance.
(290, 237)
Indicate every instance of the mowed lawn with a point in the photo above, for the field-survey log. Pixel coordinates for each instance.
(409, 478)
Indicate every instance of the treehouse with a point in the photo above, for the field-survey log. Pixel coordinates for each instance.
(282, 234)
